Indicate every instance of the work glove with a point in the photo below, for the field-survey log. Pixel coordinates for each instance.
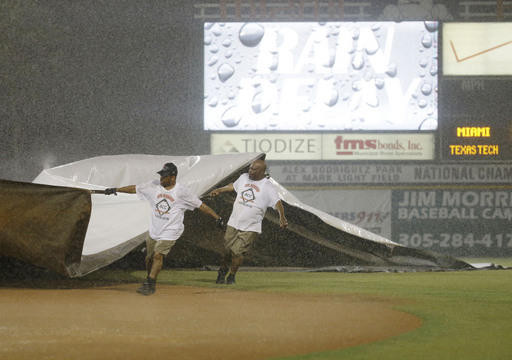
(220, 223)
(110, 191)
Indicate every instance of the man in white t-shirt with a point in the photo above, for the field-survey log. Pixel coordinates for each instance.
(168, 201)
(255, 193)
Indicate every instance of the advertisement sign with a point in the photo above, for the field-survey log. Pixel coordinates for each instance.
(456, 222)
(378, 147)
(321, 146)
(369, 209)
(477, 48)
(343, 174)
(276, 146)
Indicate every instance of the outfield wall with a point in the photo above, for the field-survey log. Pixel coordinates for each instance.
(459, 210)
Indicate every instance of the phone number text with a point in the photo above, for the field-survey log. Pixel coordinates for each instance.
(455, 240)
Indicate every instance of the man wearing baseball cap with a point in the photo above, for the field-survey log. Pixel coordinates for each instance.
(168, 200)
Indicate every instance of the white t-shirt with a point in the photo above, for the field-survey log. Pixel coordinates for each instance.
(167, 208)
(252, 200)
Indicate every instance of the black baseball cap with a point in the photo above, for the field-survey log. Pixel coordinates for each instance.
(169, 169)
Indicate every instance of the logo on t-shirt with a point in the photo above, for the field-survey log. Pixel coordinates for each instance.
(163, 207)
(248, 195)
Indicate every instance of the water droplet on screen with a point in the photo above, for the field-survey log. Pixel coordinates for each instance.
(355, 34)
(228, 54)
(426, 41)
(214, 49)
(423, 62)
(213, 60)
(207, 40)
(329, 62)
(208, 25)
(357, 85)
(226, 43)
(231, 117)
(213, 101)
(345, 96)
(392, 70)
(375, 27)
(433, 70)
(225, 71)
(426, 89)
(379, 83)
(332, 98)
(251, 34)
(431, 26)
(372, 100)
(275, 63)
(217, 32)
(422, 103)
(273, 77)
(370, 50)
(428, 124)
(357, 61)
(421, 73)
(260, 103)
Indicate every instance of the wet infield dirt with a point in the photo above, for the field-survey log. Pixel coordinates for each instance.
(180, 322)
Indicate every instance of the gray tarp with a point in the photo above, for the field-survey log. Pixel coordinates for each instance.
(118, 224)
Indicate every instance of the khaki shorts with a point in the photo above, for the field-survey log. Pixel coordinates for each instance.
(158, 246)
(237, 241)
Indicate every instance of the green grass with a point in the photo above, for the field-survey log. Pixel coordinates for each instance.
(466, 314)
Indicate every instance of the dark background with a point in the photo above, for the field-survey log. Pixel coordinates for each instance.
(85, 78)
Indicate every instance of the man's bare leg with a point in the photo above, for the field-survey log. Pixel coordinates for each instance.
(224, 267)
(158, 261)
(153, 266)
(236, 261)
(149, 264)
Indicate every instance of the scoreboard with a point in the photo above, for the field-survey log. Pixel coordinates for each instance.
(475, 119)
(475, 91)
(368, 83)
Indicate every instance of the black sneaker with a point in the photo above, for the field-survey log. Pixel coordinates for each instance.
(148, 287)
(231, 279)
(221, 274)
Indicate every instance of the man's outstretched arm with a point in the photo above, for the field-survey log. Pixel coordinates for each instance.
(208, 210)
(227, 188)
(283, 223)
(130, 189)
